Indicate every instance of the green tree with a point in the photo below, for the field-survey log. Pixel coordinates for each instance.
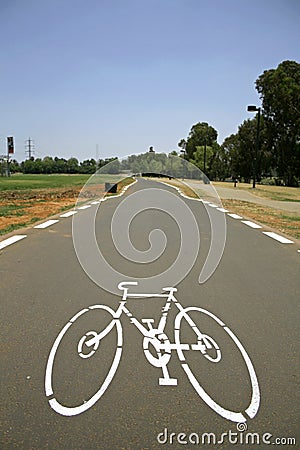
(28, 165)
(230, 149)
(245, 156)
(72, 165)
(60, 165)
(37, 166)
(182, 144)
(14, 166)
(48, 164)
(279, 90)
(88, 166)
(201, 134)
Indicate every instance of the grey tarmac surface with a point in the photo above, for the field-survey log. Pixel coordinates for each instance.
(255, 291)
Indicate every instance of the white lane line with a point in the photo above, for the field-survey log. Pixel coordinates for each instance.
(212, 205)
(251, 224)
(96, 202)
(84, 207)
(279, 238)
(46, 224)
(12, 240)
(235, 216)
(222, 210)
(68, 214)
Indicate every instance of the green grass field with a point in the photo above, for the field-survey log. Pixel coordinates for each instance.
(55, 181)
(26, 181)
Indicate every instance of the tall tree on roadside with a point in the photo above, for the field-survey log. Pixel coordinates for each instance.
(201, 134)
(240, 152)
(207, 156)
(279, 90)
(246, 156)
(230, 160)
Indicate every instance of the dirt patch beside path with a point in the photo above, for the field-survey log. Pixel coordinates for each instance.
(22, 208)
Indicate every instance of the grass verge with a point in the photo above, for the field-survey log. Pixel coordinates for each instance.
(282, 221)
(281, 193)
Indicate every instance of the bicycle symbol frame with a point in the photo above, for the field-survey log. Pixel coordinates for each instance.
(89, 343)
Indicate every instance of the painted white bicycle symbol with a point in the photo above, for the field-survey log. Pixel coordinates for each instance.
(157, 349)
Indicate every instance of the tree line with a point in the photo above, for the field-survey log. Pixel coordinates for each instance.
(274, 154)
(50, 165)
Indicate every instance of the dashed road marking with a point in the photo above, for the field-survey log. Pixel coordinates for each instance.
(223, 210)
(251, 224)
(277, 237)
(235, 216)
(46, 224)
(12, 240)
(68, 214)
(84, 207)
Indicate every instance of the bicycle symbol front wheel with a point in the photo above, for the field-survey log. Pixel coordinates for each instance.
(211, 354)
(81, 358)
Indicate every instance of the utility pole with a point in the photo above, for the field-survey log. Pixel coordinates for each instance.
(29, 146)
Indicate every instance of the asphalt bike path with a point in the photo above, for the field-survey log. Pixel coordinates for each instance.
(254, 291)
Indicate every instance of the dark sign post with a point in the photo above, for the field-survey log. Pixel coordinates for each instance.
(10, 151)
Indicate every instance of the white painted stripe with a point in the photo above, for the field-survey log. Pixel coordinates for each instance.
(251, 224)
(298, 251)
(212, 205)
(279, 238)
(205, 201)
(12, 240)
(68, 214)
(95, 203)
(46, 224)
(222, 210)
(235, 216)
(84, 207)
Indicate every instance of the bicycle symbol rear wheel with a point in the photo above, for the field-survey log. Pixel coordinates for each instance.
(204, 340)
(83, 353)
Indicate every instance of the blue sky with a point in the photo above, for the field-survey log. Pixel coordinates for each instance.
(129, 74)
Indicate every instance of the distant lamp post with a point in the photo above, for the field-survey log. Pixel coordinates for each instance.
(253, 108)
